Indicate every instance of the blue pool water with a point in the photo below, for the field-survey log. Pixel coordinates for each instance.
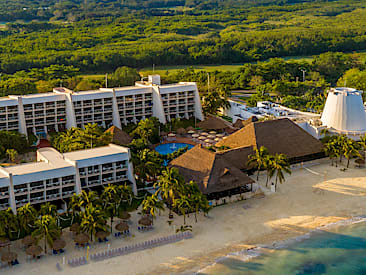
(340, 252)
(169, 148)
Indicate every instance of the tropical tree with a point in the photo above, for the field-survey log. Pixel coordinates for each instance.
(147, 164)
(48, 209)
(47, 229)
(362, 143)
(8, 224)
(350, 149)
(258, 159)
(197, 199)
(269, 168)
(183, 205)
(214, 100)
(169, 184)
(151, 204)
(93, 220)
(87, 198)
(148, 130)
(280, 164)
(74, 207)
(111, 198)
(330, 150)
(12, 154)
(27, 215)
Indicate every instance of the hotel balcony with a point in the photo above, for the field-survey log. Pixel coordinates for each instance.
(2, 110)
(4, 206)
(2, 118)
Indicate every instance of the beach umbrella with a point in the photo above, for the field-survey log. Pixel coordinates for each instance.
(28, 240)
(211, 136)
(9, 256)
(212, 132)
(191, 132)
(217, 139)
(102, 234)
(220, 135)
(190, 128)
(195, 135)
(204, 134)
(208, 140)
(202, 138)
(58, 244)
(75, 227)
(81, 238)
(145, 221)
(122, 226)
(34, 250)
(171, 135)
(124, 215)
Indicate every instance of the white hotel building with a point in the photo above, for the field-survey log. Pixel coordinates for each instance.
(57, 176)
(63, 108)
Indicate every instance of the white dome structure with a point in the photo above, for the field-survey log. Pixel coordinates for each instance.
(344, 111)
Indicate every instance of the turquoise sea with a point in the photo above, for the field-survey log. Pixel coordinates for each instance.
(340, 252)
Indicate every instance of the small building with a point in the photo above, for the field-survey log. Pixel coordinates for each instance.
(215, 123)
(278, 136)
(119, 136)
(213, 172)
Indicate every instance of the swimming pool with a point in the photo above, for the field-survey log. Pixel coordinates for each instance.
(169, 148)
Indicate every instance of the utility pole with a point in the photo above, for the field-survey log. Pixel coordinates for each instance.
(106, 80)
(208, 82)
(303, 74)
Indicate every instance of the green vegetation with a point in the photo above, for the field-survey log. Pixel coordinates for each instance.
(11, 144)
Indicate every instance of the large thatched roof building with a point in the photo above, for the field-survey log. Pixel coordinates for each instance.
(240, 123)
(278, 136)
(214, 123)
(214, 173)
(119, 136)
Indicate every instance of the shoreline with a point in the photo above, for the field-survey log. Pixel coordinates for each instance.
(248, 254)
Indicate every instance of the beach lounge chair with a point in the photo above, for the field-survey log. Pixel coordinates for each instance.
(58, 266)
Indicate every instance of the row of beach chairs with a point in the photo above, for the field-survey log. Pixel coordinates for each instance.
(122, 234)
(100, 256)
(75, 262)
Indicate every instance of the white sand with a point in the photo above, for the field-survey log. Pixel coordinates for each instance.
(305, 201)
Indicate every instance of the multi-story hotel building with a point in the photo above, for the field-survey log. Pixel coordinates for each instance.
(57, 176)
(63, 108)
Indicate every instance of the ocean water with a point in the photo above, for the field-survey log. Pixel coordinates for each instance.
(340, 252)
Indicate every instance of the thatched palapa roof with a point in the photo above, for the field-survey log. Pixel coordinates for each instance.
(214, 123)
(211, 171)
(119, 136)
(278, 136)
(240, 123)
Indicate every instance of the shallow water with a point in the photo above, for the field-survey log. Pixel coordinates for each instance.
(343, 251)
(169, 148)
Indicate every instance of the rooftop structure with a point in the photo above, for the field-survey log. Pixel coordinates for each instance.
(63, 108)
(57, 176)
(344, 111)
(278, 136)
(213, 172)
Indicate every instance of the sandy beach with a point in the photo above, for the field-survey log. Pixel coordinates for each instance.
(310, 198)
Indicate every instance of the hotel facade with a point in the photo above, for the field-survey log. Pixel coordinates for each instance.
(57, 176)
(62, 109)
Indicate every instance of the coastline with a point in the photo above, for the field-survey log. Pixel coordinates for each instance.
(296, 209)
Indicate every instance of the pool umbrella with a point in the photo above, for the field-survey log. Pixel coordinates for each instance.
(34, 250)
(122, 226)
(204, 134)
(190, 128)
(58, 244)
(9, 256)
(202, 138)
(209, 140)
(102, 234)
(191, 132)
(124, 215)
(28, 240)
(212, 132)
(220, 135)
(81, 238)
(217, 139)
(211, 136)
(145, 221)
(195, 135)
(171, 135)
(75, 227)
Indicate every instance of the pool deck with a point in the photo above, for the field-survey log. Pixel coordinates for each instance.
(178, 140)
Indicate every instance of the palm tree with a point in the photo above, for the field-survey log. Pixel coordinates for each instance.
(183, 204)
(27, 215)
(48, 209)
(87, 198)
(330, 150)
(170, 184)
(350, 149)
(47, 229)
(362, 143)
(197, 199)
(280, 164)
(152, 203)
(146, 164)
(8, 223)
(93, 220)
(111, 198)
(12, 154)
(259, 159)
(74, 207)
(269, 167)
